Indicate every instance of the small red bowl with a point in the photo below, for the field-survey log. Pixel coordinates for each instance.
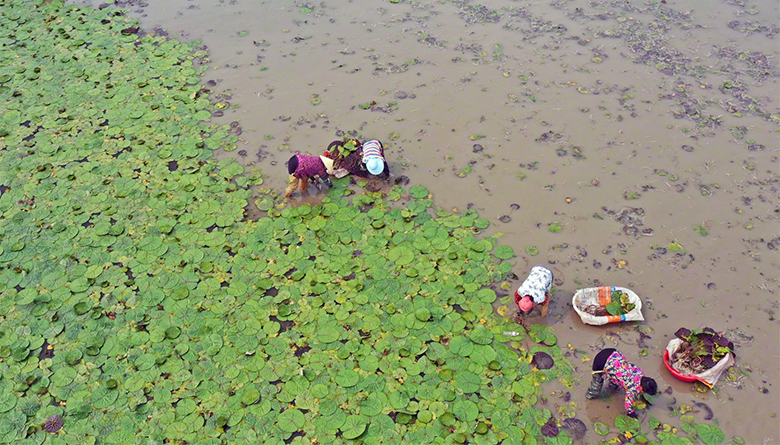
(684, 377)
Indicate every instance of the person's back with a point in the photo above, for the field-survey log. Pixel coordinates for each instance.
(365, 160)
(612, 365)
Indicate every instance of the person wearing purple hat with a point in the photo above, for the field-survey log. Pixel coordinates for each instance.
(535, 291)
(305, 168)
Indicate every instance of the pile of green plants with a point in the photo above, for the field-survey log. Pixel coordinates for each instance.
(700, 349)
(620, 304)
(137, 304)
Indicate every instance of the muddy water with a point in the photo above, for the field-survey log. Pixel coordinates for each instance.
(629, 124)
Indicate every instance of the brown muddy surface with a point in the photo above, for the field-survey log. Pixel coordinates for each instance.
(647, 130)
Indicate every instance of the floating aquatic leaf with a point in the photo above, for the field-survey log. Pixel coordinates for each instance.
(504, 252)
(347, 378)
(550, 429)
(467, 381)
(418, 192)
(601, 428)
(353, 426)
(52, 424)
(576, 427)
(542, 360)
(291, 420)
(710, 434)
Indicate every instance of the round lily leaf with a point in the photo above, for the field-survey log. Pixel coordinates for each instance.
(291, 420)
(104, 397)
(481, 336)
(93, 271)
(328, 333)
(461, 346)
(550, 429)
(422, 314)
(504, 252)
(320, 391)
(371, 406)
(467, 381)
(710, 434)
(401, 255)
(447, 419)
(481, 223)
(542, 360)
(418, 192)
(353, 426)
(296, 385)
(347, 378)
(465, 410)
(145, 361)
(399, 400)
(7, 399)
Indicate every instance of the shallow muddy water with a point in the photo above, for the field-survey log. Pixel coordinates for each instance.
(632, 125)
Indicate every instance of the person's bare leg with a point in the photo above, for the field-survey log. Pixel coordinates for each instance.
(292, 184)
(304, 184)
(544, 307)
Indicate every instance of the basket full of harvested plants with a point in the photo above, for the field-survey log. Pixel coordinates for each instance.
(699, 355)
(607, 304)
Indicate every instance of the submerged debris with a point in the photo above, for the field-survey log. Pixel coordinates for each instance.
(576, 427)
(632, 219)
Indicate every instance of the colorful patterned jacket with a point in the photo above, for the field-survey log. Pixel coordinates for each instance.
(626, 375)
(309, 166)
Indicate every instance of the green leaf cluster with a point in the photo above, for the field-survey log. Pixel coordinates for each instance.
(689, 432)
(620, 304)
(136, 301)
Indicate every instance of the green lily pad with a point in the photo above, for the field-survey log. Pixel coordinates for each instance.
(418, 192)
(465, 410)
(401, 255)
(504, 252)
(371, 406)
(353, 427)
(467, 381)
(710, 434)
(347, 378)
(291, 420)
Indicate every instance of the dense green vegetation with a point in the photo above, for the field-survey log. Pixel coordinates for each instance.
(137, 303)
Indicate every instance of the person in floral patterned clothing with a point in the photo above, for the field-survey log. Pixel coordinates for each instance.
(535, 291)
(611, 364)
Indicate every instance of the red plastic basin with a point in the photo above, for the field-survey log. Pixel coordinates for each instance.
(684, 377)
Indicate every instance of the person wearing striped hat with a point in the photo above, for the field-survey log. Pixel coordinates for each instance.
(364, 160)
(373, 157)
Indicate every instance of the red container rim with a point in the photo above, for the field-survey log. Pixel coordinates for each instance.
(684, 377)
